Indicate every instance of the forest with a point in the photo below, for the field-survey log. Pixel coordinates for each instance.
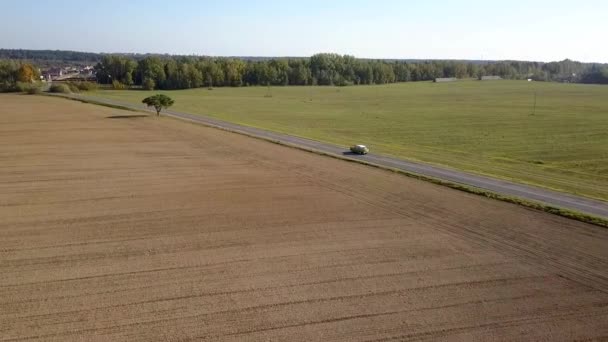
(183, 72)
(322, 69)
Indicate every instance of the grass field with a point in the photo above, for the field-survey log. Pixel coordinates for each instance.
(483, 127)
(121, 227)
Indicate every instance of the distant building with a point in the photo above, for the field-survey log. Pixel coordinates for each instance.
(52, 73)
(86, 72)
(445, 79)
(490, 78)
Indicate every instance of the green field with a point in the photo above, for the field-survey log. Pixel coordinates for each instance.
(483, 127)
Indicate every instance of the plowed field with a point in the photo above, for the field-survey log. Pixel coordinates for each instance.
(117, 228)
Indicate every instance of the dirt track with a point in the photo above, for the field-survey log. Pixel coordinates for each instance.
(145, 229)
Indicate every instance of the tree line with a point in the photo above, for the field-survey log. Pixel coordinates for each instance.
(14, 74)
(154, 72)
(49, 55)
(182, 72)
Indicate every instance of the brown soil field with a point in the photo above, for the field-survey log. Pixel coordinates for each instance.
(153, 229)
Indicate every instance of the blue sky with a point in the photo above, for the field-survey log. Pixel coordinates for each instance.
(540, 30)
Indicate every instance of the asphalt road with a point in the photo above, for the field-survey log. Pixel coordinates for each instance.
(527, 192)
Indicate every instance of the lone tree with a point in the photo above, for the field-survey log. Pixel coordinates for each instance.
(159, 102)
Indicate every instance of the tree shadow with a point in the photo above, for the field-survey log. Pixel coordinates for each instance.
(127, 116)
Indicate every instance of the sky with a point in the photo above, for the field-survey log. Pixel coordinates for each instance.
(539, 30)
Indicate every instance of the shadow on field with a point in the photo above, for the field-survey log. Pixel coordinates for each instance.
(127, 116)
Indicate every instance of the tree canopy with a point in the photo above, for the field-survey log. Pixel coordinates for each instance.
(182, 72)
(155, 72)
(158, 101)
(13, 72)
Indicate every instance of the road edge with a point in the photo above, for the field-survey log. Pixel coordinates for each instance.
(567, 213)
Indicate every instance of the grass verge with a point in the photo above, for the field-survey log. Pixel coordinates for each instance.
(571, 214)
(99, 103)
(484, 128)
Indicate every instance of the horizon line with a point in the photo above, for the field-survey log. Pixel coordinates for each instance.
(293, 56)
